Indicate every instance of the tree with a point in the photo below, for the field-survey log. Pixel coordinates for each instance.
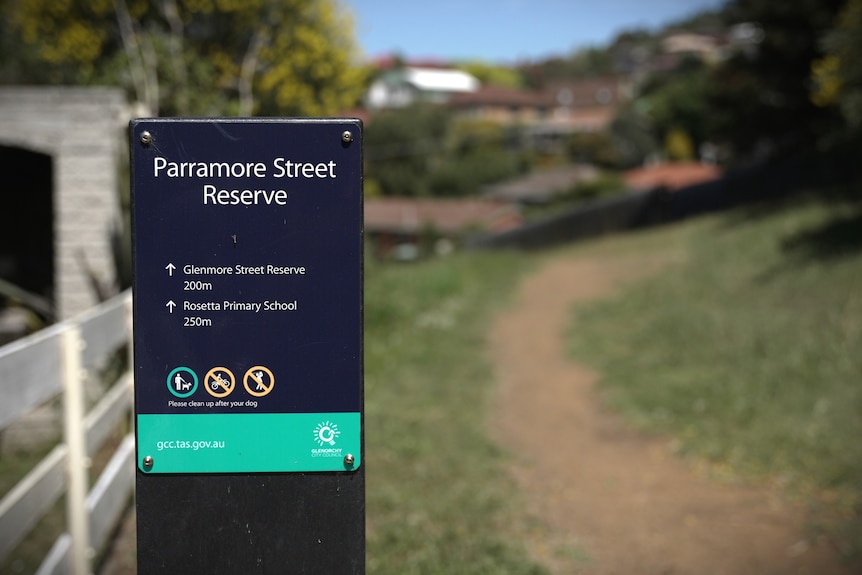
(286, 57)
(477, 153)
(598, 148)
(838, 75)
(677, 104)
(403, 146)
(591, 62)
(632, 136)
(423, 151)
(763, 97)
(586, 62)
(492, 74)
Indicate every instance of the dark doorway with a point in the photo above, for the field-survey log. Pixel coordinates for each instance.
(27, 222)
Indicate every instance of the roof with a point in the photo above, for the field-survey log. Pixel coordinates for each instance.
(586, 93)
(441, 80)
(499, 96)
(671, 175)
(409, 215)
(689, 42)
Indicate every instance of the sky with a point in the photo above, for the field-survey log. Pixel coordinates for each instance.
(504, 31)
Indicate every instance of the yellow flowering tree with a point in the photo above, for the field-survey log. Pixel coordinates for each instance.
(203, 57)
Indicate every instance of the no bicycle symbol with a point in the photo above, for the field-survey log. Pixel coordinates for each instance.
(219, 382)
(258, 381)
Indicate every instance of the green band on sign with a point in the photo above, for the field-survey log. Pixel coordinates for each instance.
(249, 442)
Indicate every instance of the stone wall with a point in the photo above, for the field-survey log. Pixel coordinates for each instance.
(82, 129)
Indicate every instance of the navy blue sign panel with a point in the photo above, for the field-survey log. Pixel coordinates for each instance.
(247, 294)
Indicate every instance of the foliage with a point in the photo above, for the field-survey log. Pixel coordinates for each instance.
(287, 57)
(18, 61)
(678, 103)
(633, 137)
(606, 184)
(464, 175)
(631, 49)
(439, 498)
(826, 77)
(746, 350)
(757, 100)
(678, 146)
(596, 148)
(477, 153)
(587, 62)
(838, 75)
(422, 151)
(402, 146)
(760, 98)
(492, 74)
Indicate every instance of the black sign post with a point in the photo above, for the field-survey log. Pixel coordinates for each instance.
(248, 345)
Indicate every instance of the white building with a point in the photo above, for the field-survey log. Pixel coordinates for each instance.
(60, 149)
(404, 86)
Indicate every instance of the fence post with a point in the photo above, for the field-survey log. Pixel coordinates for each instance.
(75, 439)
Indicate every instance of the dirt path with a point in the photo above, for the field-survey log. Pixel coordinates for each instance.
(606, 499)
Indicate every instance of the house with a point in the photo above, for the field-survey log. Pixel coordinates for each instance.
(704, 47)
(577, 106)
(59, 148)
(405, 228)
(501, 104)
(586, 105)
(402, 86)
(550, 116)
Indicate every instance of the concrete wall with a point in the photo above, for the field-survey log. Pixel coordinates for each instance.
(82, 130)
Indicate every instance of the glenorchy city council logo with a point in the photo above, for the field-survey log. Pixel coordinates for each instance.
(326, 433)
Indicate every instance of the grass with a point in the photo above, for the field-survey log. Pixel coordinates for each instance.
(439, 496)
(748, 350)
(439, 499)
(31, 551)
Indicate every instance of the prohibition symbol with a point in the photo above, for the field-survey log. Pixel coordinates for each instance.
(258, 381)
(219, 382)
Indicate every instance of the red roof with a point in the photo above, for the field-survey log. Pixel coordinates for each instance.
(673, 175)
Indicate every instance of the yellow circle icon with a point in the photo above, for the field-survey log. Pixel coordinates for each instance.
(219, 382)
(258, 381)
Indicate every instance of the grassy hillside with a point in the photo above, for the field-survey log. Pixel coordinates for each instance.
(439, 498)
(748, 350)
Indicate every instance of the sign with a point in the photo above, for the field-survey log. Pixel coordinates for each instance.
(248, 295)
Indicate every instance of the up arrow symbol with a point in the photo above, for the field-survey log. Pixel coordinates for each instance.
(170, 268)
(170, 305)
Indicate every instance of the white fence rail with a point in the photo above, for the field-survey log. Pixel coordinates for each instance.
(40, 367)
